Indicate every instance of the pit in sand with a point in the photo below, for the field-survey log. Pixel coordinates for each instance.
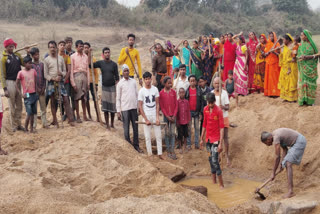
(235, 193)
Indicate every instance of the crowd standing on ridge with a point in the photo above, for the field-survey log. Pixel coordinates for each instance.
(188, 89)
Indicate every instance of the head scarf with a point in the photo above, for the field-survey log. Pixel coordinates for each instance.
(288, 34)
(264, 36)
(309, 36)
(255, 38)
(274, 37)
(8, 42)
(125, 66)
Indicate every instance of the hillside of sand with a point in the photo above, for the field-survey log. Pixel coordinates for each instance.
(87, 169)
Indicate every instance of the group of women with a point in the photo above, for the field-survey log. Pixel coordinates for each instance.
(285, 66)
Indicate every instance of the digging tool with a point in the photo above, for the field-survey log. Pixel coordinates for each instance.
(95, 91)
(59, 91)
(154, 124)
(134, 67)
(261, 196)
(28, 46)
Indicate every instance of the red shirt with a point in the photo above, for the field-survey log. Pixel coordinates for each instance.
(168, 103)
(183, 115)
(28, 80)
(213, 122)
(193, 99)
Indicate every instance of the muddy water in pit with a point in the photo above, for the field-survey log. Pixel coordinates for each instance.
(235, 193)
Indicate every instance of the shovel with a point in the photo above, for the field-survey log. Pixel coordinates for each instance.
(261, 196)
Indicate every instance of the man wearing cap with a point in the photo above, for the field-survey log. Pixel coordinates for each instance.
(110, 77)
(127, 96)
(10, 66)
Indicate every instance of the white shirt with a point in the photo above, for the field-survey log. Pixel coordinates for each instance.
(224, 101)
(148, 97)
(127, 95)
(181, 84)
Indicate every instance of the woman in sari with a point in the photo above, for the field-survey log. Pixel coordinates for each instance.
(229, 57)
(195, 60)
(251, 45)
(308, 73)
(185, 56)
(258, 78)
(207, 59)
(288, 78)
(240, 71)
(271, 78)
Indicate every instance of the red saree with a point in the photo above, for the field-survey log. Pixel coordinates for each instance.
(229, 57)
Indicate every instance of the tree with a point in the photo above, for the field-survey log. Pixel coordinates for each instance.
(296, 6)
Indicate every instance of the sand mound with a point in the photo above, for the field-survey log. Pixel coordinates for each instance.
(65, 170)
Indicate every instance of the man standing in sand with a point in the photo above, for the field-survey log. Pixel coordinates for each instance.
(10, 66)
(284, 138)
(54, 71)
(127, 96)
(159, 64)
(224, 106)
(129, 56)
(182, 80)
(80, 79)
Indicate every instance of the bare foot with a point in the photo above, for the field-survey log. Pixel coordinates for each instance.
(33, 131)
(221, 186)
(160, 157)
(2, 152)
(112, 126)
(79, 120)
(288, 195)
(108, 127)
(228, 162)
(86, 119)
(72, 124)
(45, 127)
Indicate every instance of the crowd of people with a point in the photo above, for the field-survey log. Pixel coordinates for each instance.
(189, 87)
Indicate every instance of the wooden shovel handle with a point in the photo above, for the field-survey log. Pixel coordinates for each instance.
(267, 181)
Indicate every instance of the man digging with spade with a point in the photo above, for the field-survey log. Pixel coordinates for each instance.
(284, 138)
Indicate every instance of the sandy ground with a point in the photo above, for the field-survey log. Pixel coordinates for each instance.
(87, 169)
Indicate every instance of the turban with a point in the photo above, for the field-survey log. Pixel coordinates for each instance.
(8, 42)
(124, 66)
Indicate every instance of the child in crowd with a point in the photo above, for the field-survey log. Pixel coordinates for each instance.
(149, 109)
(169, 108)
(41, 86)
(229, 86)
(183, 118)
(2, 152)
(205, 90)
(27, 78)
(213, 128)
(194, 95)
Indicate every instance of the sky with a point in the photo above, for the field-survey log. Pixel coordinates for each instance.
(132, 3)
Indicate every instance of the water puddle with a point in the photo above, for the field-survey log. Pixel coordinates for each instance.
(237, 192)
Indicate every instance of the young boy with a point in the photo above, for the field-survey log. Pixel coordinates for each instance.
(229, 86)
(213, 127)
(183, 118)
(169, 107)
(27, 78)
(2, 152)
(149, 109)
(194, 95)
(41, 86)
(205, 90)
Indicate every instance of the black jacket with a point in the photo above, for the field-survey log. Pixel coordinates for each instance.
(199, 108)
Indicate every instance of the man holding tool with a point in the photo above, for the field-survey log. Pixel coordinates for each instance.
(284, 138)
(129, 56)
